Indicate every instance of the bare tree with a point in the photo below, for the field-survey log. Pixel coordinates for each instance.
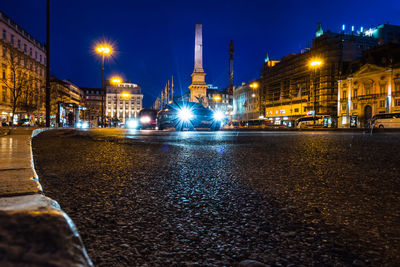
(17, 79)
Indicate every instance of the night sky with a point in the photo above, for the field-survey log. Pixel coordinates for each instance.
(155, 39)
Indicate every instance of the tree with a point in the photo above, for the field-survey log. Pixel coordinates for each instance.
(18, 81)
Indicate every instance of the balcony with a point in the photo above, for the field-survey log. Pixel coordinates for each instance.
(369, 96)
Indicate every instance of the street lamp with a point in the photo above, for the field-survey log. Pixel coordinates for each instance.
(103, 50)
(315, 63)
(254, 86)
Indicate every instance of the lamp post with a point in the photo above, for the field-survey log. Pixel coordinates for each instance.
(103, 50)
(254, 86)
(315, 63)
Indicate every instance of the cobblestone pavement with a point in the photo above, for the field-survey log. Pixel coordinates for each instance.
(218, 198)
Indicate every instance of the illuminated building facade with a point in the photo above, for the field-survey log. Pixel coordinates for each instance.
(371, 86)
(219, 100)
(123, 101)
(92, 101)
(21, 52)
(246, 102)
(293, 88)
(66, 98)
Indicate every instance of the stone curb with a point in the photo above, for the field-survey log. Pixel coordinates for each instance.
(35, 230)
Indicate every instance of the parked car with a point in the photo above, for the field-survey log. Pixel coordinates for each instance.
(182, 115)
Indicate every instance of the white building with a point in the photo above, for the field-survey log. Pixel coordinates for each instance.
(123, 101)
(27, 57)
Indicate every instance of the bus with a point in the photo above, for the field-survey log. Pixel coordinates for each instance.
(317, 121)
(386, 120)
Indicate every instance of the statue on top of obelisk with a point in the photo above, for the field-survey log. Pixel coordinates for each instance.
(198, 88)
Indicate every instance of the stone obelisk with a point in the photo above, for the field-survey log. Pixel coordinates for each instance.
(198, 88)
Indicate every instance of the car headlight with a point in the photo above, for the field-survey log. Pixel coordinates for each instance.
(132, 124)
(185, 114)
(145, 119)
(79, 125)
(219, 115)
(85, 125)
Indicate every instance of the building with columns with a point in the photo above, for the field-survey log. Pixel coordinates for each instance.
(297, 86)
(22, 59)
(371, 86)
(123, 101)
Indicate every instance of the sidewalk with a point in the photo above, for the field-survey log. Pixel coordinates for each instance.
(34, 229)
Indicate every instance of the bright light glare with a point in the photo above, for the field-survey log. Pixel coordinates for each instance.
(103, 49)
(125, 95)
(217, 98)
(185, 114)
(145, 119)
(115, 80)
(79, 125)
(85, 125)
(315, 63)
(219, 115)
(132, 124)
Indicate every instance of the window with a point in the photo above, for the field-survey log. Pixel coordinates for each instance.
(4, 94)
(382, 89)
(12, 39)
(35, 54)
(40, 57)
(344, 94)
(355, 91)
(25, 48)
(296, 110)
(344, 107)
(354, 105)
(30, 51)
(382, 103)
(4, 71)
(19, 44)
(397, 102)
(4, 34)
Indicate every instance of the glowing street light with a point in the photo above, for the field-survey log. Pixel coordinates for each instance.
(254, 85)
(125, 95)
(116, 80)
(217, 98)
(104, 50)
(315, 63)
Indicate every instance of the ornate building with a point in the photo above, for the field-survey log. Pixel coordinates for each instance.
(371, 86)
(306, 83)
(22, 77)
(123, 101)
(198, 88)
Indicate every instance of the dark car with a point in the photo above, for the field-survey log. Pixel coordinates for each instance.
(147, 119)
(184, 115)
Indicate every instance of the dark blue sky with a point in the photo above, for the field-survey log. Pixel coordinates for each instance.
(155, 39)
